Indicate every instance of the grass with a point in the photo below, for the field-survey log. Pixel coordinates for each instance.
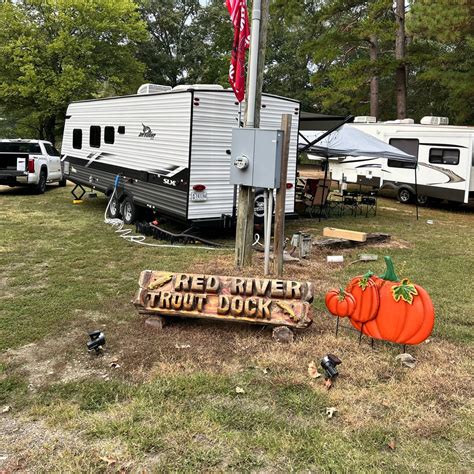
(168, 407)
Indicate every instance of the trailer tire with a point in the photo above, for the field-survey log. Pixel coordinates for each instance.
(129, 211)
(405, 196)
(114, 208)
(259, 208)
(62, 182)
(423, 200)
(40, 187)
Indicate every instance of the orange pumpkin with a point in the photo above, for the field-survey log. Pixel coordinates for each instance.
(365, 291)
(405, 314)
(340, 303)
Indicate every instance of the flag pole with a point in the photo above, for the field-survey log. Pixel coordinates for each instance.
(246, 204)
(253, 63)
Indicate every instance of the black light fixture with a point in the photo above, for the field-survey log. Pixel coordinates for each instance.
(97, 341)
(329, 363)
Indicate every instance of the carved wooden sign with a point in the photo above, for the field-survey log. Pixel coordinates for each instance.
(251, 300)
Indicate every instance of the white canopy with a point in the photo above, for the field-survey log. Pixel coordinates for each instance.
(350, 141)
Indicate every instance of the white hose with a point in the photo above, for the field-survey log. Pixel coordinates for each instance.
(119, 224)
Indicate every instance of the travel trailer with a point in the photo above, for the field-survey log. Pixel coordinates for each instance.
(166, 149)
(445, 160)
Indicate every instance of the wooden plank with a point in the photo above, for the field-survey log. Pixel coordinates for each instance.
(250, 300)
(279, 232)
(345, 234)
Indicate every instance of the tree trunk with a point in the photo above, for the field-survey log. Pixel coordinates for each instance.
(374, 80)
(400, 73)
(48, 127)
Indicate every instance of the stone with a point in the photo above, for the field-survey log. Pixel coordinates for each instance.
(155, 322)
(283, 335)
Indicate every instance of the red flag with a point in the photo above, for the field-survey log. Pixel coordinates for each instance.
(240, 20)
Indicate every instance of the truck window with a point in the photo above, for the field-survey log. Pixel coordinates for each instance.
(109, 135)
(94, 136)
(51, 151)
(77, 138)
(10, 147)
(408, 145)
(444, 156)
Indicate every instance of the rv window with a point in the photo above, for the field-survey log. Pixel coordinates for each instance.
(408, 145)
(77, 138)
(109, 135)
(401, 164)
(444, 156)
(121, 130)
(94, 136)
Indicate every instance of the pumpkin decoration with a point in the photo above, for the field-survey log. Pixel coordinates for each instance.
(404, 313)
(365, 291)
(340, 303)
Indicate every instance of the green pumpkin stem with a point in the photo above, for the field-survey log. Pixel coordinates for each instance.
(342, 294)
(389, 274)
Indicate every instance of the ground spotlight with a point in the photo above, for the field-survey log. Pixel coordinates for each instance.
(97, 341)
(329, 363)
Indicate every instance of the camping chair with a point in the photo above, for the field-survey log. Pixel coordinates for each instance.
(335, 203)
(370, 203)
(318, 200)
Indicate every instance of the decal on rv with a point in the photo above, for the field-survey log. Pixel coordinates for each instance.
(147, 132)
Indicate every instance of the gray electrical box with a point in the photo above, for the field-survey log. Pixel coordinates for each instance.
(256, 157)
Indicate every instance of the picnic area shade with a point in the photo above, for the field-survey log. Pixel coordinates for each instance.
(350, 141)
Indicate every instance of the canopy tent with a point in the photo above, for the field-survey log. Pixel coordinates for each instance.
(349, 141)
(312, 121)
(345, 140)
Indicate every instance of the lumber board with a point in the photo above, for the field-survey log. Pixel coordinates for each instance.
(345, 234)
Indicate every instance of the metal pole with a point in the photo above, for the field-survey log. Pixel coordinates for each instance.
(321, 206)
(245, 221)
(416, 189)
(268, 228)
(253, 65)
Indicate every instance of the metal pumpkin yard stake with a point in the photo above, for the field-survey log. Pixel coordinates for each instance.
(387, 308)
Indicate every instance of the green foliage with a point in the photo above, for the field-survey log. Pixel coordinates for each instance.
(442, 54)
(53, 52)
(341, 55)
(187, 43)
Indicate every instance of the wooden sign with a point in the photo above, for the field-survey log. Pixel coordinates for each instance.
(251, 300)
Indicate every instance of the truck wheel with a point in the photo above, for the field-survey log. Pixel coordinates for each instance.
(40, 187)
(114, 208)
(129, 211)
(405, 196)
(62, 182)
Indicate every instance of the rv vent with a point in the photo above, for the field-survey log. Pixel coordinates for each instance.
(365, 119)
(430, 120)
(152, 88)
(407, 120)
(185, 87)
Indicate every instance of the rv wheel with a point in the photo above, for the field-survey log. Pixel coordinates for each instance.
(114, 208)
(129, 211)
(405, 196)
(423, 200)
(259, 208)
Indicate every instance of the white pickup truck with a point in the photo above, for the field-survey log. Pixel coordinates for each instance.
(30, 163)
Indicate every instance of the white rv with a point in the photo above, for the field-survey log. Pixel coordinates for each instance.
(170, 149)
(445, 160)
